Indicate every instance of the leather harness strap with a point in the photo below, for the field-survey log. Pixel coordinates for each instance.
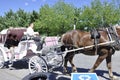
(95, 35)
(113, 35)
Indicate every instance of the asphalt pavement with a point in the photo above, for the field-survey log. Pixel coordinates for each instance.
(82, 62)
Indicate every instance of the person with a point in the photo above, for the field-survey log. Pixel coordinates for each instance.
(9, 41)
(15, 41)
(35, 35)
(30, 30)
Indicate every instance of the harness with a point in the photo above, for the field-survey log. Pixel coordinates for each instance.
(113, 36)
(95, 35)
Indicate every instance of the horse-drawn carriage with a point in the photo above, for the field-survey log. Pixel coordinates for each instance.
(41, 53)
(76, 41)
(5, 53)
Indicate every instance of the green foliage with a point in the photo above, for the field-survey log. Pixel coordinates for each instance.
(100, 14)
(64, 16)
(55, 20)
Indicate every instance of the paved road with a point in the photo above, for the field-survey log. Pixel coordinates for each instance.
(83, 63)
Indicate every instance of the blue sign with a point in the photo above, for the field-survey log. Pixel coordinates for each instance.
(84, 76)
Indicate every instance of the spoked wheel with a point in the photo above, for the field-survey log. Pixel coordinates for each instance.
(60, 60)
(54, 59)
(1, 59)
(37, 64)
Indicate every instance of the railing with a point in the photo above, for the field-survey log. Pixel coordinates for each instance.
(51, 41)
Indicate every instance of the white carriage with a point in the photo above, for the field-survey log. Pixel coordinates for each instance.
(20, 51)
(41, 58)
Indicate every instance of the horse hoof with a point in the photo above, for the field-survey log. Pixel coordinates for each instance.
(114, 78)
(91, 71)
(66, 73)
(75, 71)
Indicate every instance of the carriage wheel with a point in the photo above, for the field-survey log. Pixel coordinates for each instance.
(59, 60)
(37, 64)
(1, 59)
(55, 59)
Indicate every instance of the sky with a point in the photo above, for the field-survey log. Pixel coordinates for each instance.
(30, 5)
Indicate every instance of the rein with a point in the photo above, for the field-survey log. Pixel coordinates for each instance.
(113, 36)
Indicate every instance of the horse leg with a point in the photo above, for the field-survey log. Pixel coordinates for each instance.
(66, 58)
(101, 57)
(108, 63)
(69, 57)
(74, 69)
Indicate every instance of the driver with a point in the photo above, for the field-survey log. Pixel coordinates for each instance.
(35, 35)
(30, 30)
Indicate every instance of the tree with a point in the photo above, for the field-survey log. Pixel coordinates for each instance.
(65, 16)
(99, 14)
(1, 23)
(55, 20)
(9, 19)
(33, 16)
(44, 22)
(22, 18)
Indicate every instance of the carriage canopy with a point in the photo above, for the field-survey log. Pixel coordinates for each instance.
(15, 31)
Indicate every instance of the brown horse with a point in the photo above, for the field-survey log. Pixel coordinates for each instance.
(79, 39)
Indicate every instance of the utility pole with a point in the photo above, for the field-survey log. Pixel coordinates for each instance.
(75, 20)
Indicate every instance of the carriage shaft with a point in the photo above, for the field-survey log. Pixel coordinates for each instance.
(86, 47)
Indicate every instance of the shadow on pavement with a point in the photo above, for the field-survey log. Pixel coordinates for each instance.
(23, 64)
(98, 72)
(19, 64)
